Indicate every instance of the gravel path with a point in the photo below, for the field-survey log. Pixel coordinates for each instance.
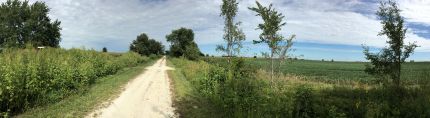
(147, 96)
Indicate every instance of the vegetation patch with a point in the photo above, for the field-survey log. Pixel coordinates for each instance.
(205, 90)
(79, 105)
(32, 78)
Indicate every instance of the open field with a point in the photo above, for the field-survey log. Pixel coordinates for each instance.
(328, 70)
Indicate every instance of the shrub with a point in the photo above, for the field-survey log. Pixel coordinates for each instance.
(334, 113)
(232, 90)
(303, 103)
(31, 77)
(153, 56)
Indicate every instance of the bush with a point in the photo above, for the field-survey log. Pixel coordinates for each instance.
(154, 56)
(231, 90)
(303, 103)
(30, 78)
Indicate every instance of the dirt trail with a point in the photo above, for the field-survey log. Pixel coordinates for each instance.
(147, 96)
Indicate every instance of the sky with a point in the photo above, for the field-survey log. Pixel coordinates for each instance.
(325, 29)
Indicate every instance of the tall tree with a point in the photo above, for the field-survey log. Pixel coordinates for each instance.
(387, 63)
(22, 23)
(182, 44)
(272, 23)
(145, 46)
(233, 35)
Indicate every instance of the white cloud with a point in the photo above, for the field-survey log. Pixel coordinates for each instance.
(417, 11)
(115, 23)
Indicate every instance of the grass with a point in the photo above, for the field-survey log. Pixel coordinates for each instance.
(179, 82)
(81, 104)
(186, 102)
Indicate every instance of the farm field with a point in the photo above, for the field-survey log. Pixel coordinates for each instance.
(328, 70)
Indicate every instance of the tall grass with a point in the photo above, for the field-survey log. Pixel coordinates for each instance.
(218, 91)
(30, 78)
(247, 94)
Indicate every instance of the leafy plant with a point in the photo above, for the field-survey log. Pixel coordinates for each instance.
(303, 103)
(29, 77)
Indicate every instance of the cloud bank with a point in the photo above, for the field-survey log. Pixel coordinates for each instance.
(115, 23)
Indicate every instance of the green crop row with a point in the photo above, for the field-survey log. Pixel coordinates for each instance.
(30, 77)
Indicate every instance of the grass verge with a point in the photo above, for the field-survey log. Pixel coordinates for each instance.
(81, 104)
(185, 102)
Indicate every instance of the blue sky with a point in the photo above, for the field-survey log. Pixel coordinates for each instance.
(325, 29)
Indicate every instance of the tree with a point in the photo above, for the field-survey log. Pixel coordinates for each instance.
(233, 35)
(273, 21)
(104, 49)
(155, 47)
(145, 46)
(192, 52)
(22, 23)
(387, 63)
(182, 44)
(283, 48)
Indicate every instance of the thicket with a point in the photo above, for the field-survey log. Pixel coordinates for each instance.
(220, 91)
(30, 78)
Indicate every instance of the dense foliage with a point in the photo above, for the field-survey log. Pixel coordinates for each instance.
(247, 94)
(22, 23)
(182, 44)
(30, 78)
(387, 63)
(145, 46)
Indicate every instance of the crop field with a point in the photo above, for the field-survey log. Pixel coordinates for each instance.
(328, 70)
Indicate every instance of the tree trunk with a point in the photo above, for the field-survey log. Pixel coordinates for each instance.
(271, 76)
(399, 65)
